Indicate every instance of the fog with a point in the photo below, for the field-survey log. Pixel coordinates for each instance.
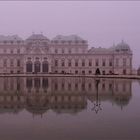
(101, 23)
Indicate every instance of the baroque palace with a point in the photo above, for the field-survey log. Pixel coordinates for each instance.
(62, 54)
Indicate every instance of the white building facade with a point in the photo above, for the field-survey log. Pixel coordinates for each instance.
(63, 54)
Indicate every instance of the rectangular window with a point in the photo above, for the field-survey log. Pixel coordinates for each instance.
(124, 61)
(69, 63)
(69, 51)
(110, 63)
(18, 51)
(130, 62)
(12, 51)
(56, 62)
(5, 62)
(11, 62)
(56, 51)
(76, 63)
(90, 63)
(63, 63)
(117, 62)
(103, 62)
(97, 62)
(76, 50)
(83, 63)
(5, 51)
(63, 51)
(90, 72)
(76, 72)
(18, 63)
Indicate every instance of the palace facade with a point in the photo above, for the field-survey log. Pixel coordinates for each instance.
(62, 54)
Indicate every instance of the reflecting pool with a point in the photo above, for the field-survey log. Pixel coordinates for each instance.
(68, 108)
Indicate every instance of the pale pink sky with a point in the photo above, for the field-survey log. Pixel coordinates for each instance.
(101, 23)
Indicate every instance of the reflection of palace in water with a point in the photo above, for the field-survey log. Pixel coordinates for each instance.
(60, 94)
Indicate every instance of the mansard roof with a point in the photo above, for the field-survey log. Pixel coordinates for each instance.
(99, 50)
(10, 38)
(120, 47)
(69, 37)
(37, 37)
(37, 40)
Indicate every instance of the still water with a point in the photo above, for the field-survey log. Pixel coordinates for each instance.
(62, 108)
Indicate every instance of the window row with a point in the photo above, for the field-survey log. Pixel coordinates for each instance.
(69, 42)
(68, 50)
(123, 62)
(103, 72)
(11, 51)
(36, 58)
(11, 42)
(11, 62)
(82, 63)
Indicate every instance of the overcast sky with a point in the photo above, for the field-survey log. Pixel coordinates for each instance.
(101, 23)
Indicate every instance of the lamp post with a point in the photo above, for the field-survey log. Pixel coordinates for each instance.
(97, 104)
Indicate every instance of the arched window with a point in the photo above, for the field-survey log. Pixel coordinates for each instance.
(45, 66)
(37, 66)
(29, 66)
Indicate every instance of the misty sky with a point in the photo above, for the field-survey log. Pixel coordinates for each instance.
(101, 23)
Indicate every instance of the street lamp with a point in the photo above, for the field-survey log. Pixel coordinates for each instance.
(97, 104)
